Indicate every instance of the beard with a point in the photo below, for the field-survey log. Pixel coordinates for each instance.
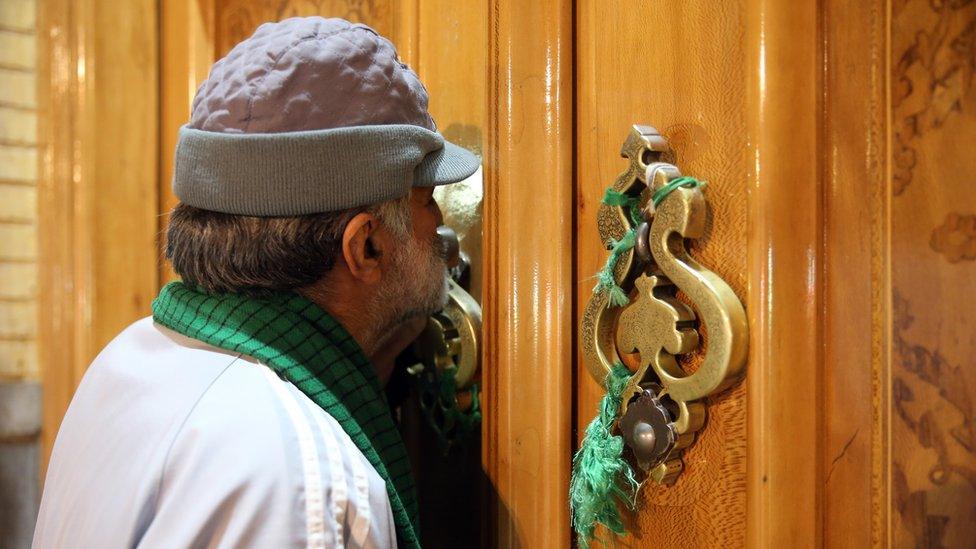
(415, 287)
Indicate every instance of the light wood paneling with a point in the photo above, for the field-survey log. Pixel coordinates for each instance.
(98, 191)
(56, 285)
(406, 27)
(855, 274)
(528, 271)
(783, 68)
(123, 196)
(452, 61)
(693, 91)
(237, 19)
(448, 52)
(186, 53)
(451, 58)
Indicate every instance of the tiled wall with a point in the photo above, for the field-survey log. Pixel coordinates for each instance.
(20, 394)
(18, 190)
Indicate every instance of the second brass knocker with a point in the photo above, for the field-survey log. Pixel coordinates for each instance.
(650, 302)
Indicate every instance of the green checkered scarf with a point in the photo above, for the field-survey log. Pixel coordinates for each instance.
(309, 348)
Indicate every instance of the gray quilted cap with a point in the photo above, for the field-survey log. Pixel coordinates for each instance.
(311, 115)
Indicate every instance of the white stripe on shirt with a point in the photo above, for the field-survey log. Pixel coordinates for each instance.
(360, 527)
(314, 506)
(339, 493)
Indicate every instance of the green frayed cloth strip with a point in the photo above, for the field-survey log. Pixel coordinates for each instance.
(309, 348)
(617, 297)
(605, 280)
(616, 198)
(439, 402)
(683, 181)
(602, 479)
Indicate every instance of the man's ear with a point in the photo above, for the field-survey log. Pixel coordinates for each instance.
(361, 249)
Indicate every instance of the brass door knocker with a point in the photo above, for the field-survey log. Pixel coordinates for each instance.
(664, 298)
(448, 354)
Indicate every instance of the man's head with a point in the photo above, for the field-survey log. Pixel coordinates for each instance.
(386, 257)
(309, 165)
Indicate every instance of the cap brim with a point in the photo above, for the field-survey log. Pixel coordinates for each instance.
(447, 165)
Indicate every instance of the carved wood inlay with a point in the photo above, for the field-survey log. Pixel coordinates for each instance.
(933, 274)
(933, 400)
(955, 238)
(932, 78)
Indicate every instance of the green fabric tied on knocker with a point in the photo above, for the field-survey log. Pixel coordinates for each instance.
(453, 426)
(306, 346)
(617, 297)
(602, 480)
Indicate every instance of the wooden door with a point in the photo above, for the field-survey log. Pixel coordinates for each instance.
(836, 138)
(649, 66)
(837, 141)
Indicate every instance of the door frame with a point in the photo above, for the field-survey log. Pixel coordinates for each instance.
(97, 131)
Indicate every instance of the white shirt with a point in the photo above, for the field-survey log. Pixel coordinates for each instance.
(170, 442)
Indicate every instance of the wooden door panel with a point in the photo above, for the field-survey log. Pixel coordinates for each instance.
(837, 142)
(237, 19)
(836, 139)
(655, 66)
(855, 260)
(97, 190)
(933, 274)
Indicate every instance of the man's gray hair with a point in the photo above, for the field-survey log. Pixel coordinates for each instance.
(227, 253)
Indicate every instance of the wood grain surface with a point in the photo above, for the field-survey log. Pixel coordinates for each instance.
(785, 249)
(652, 66)
(237, 19)
(529, 272)
(187, 50)
(856, 292)
(97, 194)
(933, 274)
(837, 142)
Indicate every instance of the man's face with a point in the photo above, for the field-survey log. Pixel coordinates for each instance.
(425, 212)
(415, 285)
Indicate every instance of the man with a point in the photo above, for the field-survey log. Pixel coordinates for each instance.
(245, 412)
